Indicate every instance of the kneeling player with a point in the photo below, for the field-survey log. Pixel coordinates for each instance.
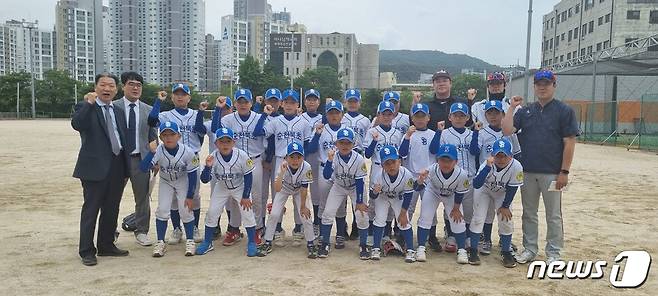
(497, 182)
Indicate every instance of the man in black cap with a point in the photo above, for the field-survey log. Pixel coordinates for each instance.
(442, 99)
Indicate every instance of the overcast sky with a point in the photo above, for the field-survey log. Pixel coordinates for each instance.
(492, 30)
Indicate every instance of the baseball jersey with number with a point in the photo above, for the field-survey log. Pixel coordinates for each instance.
(174, 167)
(230, 174)
(327, 141)
(291, 182)
(185, 123)
(347, 172)
(392, 137)
(243, 132)
(463, 142)
(457, 182)
(497, 180)
(403, 183)
(420, 158)
(478, 110)
(287, 131)
(359, 124)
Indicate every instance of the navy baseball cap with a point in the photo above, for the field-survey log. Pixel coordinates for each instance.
(273, 93)
(290, 93)
(545, 75)
(391, 96)
(312, 93)
(223, 133)
(420, 108)
(243, 93)
(447, 150)
(345, 134)
(388, 152)
(295, 147)
(459, 107)
(169, 125)
(353, 94)
(494, 104)
(333, 105)
(440, 74)
(385, 105)
(501, 145)
(182, 86)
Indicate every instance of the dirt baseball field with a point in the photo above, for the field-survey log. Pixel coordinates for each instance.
(610, 206)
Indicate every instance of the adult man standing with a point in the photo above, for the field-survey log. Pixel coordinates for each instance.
(547, 131)
(102, 166)
(138, 136)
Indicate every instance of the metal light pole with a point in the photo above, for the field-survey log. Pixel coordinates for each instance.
(527, 52)
(18, 100)
(29, 26)
(292, 49)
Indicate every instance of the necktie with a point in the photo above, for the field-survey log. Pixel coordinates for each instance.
(132, 130)
(110, 130)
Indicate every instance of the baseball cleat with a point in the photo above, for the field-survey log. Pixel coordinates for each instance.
(142, 239)
(462, 256)
(266, 248)
(375, 254)
(297, 238)
(253, 251)
(484, 248)
(340, 242)
(176, 236)
(312, 252)
(508, 259)
(410, 256)
(473, 258)
(159, 249)
(278, 238)
(421, 256)
(364, 254)
(204, 247)
(323, 252)
(232, 237)
(190, 247)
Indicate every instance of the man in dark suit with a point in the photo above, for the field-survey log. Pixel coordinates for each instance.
(102, 167)
(138, 136)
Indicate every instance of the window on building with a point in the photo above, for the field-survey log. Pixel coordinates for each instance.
(583, 31)
(287, 71)
(589, 4)
(568, 56)
(570, 11)
(550, 43)
(633, 15)
(606, 44)
(591, 27)
(577, 8)
(598, 46)
(600, 21)
(582, 52)
(557, 42)
(559, 18)
(653, 17)
(590, 49)
(564, 16)
(562, 37)
(607, 18)
(297, 56)
(552, 20)
(287, 56)
(569, 36)
(561, 58)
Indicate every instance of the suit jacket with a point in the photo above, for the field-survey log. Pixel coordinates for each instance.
(146, 133)
(95, 156)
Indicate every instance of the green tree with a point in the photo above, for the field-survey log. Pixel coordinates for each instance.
(272, 79)
(8, 85)
(462, 82)
(56, 92)
(324, 79)
(369, 102)
(251, 75)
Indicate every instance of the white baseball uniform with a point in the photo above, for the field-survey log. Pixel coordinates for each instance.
(292, 183)
(327, 142)
(360, 125)
(230, 185)
(345, 174)
(493, 192)
(420, 158)
(392, 137)
(313, 159)
(391, 196)
(465, 160)
(479, 114)
(173, 180)
(439, 189)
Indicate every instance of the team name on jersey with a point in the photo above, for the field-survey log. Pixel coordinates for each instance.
(328, 144)
(244, 135)
(290, 135)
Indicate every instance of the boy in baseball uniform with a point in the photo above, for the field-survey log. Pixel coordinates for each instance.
(313, 116)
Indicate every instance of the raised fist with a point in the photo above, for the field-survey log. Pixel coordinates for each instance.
(422, 176)
(220, 102)
(516, 101)
(471, 93)
(203, 106)
(418, 96)
(319, 128)
(162, 95)
(90, 97)
(410, 132)
(330, 154)
(209, 160)
(268, 109)
(259, 99)
(441, 125)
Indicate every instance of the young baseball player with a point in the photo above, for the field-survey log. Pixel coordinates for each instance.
(392, 189)
(347, 172)
(232, 169)
(360, 125)
(218, 113)
(312, 115)
(496, 183)
(178, 178)
(377, 137)
(400, 120)
(192, 130)
(243, 124)
(466, 142)
(272, 97)
(293, 179)
(324, 140)
(447, 184)
(286, 129)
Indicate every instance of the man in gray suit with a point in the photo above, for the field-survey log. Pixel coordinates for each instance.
(138, 136)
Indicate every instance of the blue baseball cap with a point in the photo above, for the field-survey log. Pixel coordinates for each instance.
(290, 93)
(352, 94)
(420, 108)
(494, 104)
(273, 93)
(182, 86)
(345, 134)
(545, 75)
(229, 103)
(295, 147)
(501, 145)
(243, 93)
(447, 150)
(459, 107)
(391, 95)
(388, 152)
(385, 105)
(333, 105)
(223, 133)
(169, 125)
(312, 93)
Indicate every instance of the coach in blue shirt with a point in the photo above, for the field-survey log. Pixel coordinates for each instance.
(547, 131)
